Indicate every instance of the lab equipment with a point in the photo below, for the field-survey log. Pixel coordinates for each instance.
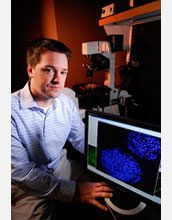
(126, 154)
(102, 56)
(92, 95)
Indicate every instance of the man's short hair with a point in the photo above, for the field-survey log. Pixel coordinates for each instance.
(39, 46)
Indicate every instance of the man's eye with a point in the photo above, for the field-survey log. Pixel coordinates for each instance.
(64, 72)
(48, 70)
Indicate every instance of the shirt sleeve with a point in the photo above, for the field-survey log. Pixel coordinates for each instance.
(77, 133)
(33, 179)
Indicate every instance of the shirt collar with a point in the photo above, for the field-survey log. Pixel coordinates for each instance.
(27, 101)
(26, 98)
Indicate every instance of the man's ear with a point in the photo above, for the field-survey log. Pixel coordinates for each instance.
(30, 71)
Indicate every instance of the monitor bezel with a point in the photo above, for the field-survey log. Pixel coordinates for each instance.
(122, 119)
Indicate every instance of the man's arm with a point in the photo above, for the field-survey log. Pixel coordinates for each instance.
(77, 133)
(86, 192)
(33, 179)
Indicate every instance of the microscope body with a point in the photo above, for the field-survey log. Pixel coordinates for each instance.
(101, 58)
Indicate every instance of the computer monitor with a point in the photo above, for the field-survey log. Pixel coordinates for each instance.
(125, 153)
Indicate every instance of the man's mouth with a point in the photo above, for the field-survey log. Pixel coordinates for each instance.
(55, 87)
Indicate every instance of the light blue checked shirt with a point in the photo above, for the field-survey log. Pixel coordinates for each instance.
(37, 142)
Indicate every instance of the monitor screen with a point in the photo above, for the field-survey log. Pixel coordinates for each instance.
(124, 152)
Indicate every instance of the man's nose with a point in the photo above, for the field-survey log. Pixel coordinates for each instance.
(56, 78)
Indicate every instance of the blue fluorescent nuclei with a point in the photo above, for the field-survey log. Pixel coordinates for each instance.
(144, 146)
(121, 165)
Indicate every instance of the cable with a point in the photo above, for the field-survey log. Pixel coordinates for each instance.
(110, 210)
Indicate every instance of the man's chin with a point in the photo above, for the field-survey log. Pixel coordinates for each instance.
(54, 94)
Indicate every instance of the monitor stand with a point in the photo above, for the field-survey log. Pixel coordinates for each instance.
(127, 204)
(133, 211)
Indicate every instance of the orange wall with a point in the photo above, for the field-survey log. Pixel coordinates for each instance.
(48, 19)
(77, 22)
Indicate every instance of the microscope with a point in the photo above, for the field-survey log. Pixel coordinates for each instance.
(102, 56)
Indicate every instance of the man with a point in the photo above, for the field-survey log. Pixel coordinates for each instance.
(43, 119)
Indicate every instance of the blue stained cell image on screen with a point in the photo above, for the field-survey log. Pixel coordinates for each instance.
(123, 154)
(120, 165)
(144, 146)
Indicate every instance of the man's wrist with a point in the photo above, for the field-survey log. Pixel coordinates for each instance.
(65, 191)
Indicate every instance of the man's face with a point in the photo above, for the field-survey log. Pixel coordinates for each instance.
(48, 76)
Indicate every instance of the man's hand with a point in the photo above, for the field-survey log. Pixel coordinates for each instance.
(88, 192)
